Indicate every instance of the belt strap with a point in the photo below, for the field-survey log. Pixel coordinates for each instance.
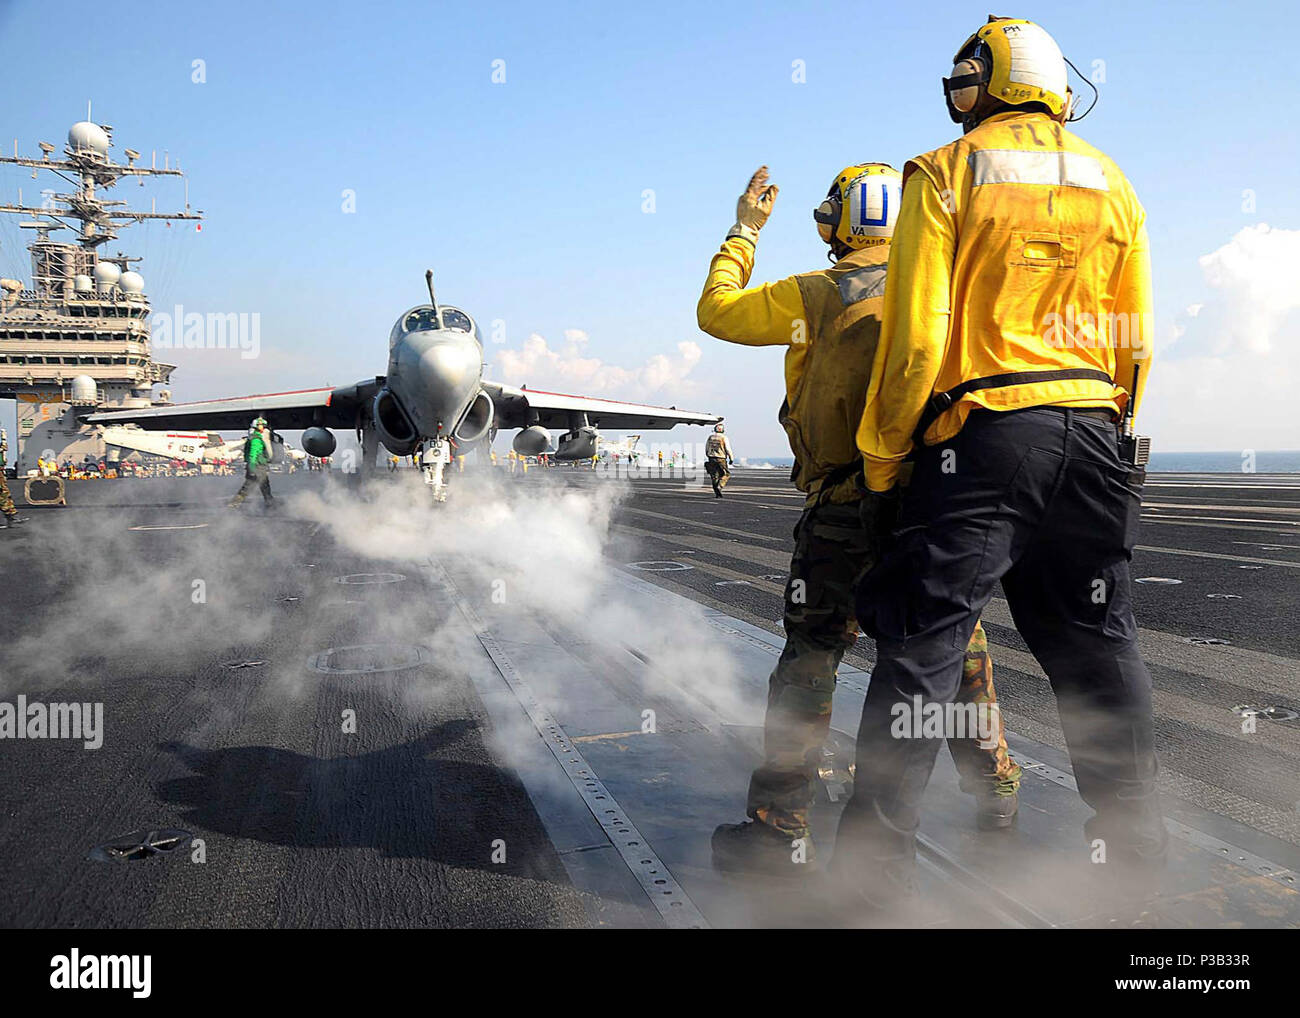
(941, 401)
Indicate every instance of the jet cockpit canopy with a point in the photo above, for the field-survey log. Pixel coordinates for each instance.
(425, 318)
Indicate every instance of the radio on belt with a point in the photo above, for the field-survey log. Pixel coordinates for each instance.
(1134, 449)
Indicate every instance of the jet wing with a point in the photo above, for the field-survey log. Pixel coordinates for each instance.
(284, 411)
(520, 408)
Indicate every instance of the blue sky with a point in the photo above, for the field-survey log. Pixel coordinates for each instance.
(527, 196)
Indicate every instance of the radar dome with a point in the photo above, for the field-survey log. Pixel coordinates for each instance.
(87, 137)
(83, 284)
(131, 282)
(106, 276)
(84, 390)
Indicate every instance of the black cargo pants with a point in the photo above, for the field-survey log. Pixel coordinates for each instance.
(1038, 499)
(259, 475)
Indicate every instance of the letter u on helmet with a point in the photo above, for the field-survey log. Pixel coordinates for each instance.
(1011, 60)
(861, 206)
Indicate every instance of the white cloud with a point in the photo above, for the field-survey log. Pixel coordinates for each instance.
(568, 367)
(1255, 276)
(1224, 375)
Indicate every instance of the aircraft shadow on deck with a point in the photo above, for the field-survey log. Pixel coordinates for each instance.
(405, 801)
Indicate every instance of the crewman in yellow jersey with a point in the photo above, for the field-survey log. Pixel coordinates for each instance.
(718, 458)
(1016, 335)
(829, 321)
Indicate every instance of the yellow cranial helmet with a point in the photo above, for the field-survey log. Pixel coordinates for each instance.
(1011, 60)
(861, 206)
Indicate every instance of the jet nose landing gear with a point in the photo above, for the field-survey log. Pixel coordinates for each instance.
(436, 457)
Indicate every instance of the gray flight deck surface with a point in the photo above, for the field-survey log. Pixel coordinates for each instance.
(530, 707)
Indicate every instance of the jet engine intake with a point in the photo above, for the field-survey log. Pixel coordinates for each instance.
(477, 420)
(532, 441)
(318, 442)
(392, 424)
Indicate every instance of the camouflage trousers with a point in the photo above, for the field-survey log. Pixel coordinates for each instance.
(832, 550)
(6, 500)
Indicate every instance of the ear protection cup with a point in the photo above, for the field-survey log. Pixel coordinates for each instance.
(970, 77)
(827, 216)
(964, 85)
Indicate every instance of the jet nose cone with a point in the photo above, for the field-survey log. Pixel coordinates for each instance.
(450, 367)
(436, 376)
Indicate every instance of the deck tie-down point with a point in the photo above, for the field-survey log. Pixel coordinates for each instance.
(142, 844)
(369, 658)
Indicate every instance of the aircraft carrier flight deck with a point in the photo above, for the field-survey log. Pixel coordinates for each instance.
(530, 706)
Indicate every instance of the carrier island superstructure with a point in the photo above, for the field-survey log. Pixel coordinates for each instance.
(78, 337)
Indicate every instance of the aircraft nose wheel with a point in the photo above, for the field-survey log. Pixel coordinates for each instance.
(436, 457)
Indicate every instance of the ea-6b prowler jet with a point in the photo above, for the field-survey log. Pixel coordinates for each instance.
(434, 391)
